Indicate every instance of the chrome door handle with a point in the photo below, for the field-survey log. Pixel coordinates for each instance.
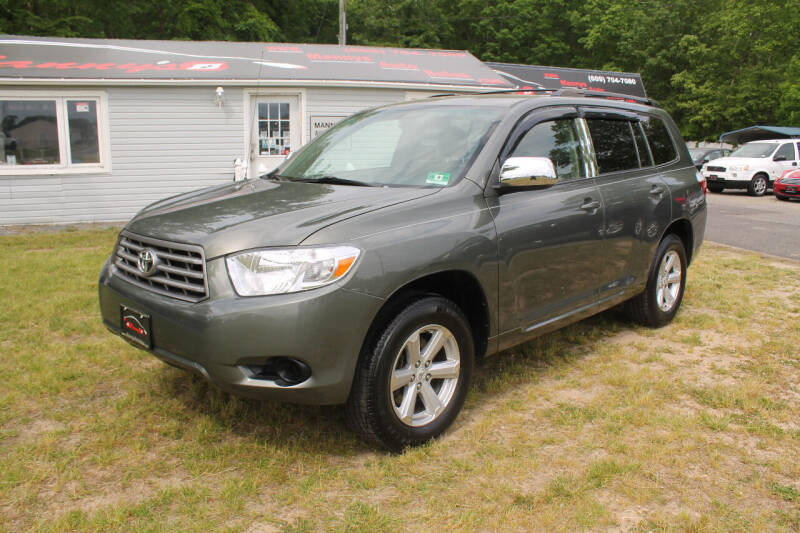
(591, 205)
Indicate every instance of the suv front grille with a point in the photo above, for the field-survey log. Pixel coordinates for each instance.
(715, 169)
(179, 270)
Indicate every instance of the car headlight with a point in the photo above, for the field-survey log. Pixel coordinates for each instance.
(284, 270)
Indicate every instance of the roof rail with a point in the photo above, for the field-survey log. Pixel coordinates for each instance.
(583, 93)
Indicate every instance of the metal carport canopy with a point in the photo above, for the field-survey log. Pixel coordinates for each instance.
(756, 133)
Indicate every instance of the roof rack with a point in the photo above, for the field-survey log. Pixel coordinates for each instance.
(583, 93)
(570, 91)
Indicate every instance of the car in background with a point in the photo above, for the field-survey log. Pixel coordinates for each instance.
(787, 186)
(752, 166)
(701, 156)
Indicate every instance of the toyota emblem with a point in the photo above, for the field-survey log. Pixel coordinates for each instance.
(148, 261)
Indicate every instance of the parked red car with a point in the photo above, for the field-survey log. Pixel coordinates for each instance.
(788, 185)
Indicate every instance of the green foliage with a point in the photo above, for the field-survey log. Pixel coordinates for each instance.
(716, 65)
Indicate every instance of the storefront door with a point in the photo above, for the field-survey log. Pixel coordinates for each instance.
(275, 131)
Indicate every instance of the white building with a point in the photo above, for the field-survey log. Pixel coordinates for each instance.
(93, 130)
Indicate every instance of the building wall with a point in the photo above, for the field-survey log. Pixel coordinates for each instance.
(163, 141)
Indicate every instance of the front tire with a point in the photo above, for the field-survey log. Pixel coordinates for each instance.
(781, 197)
(657, 304)
(715, 188)
(412, 379)
(758, 185)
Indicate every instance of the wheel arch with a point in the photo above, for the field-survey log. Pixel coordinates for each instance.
(685, 232)
(458, 286)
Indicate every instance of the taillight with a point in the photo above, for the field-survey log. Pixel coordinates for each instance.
(702, 180)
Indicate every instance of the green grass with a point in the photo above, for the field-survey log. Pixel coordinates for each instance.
(692, 427)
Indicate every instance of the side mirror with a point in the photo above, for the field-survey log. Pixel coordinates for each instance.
(518, 172)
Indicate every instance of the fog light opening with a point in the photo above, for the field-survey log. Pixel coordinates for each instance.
(284, 371)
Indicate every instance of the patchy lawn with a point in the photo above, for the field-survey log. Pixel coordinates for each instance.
(602, 426)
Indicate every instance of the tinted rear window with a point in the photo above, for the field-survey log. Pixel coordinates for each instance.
(661, 144)
(613, 144)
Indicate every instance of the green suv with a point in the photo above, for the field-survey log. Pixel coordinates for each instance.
(378, 262)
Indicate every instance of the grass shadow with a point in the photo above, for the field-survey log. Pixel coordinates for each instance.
(266, 423)
(497, 373)
(323, 430)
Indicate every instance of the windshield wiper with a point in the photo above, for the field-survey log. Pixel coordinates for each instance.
(334, 180)
(272, 176)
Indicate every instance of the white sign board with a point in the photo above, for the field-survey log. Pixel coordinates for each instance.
(322, 123)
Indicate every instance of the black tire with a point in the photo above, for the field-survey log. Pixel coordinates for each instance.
(644, 308)
(715, 188)
(781, 197)
(758, 185)
(371, 409)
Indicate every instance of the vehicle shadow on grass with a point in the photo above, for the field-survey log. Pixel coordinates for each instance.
(322, 430)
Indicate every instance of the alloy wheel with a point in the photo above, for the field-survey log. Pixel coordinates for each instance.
(425, 375)
(668, 284)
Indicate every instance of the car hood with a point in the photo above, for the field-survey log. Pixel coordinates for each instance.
(259, 213)
(727, 161)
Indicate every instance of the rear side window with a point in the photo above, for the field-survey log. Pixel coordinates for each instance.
(558, 140)
(613, 143)
(661, 144)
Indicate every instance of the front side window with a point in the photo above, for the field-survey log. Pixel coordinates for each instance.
(613, 143)
(558, 140)
(50, 134)
(786, 151)
(411, 146)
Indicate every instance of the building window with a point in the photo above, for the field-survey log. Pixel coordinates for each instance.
(52, 134)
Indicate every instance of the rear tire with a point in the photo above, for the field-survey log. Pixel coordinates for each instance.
(657, 304)
(758, 185)
(715, 188)
(407, 391)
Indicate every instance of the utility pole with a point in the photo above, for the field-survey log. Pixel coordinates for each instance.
(342, 23)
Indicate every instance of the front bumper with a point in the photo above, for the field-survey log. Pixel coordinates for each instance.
(218, 337)
(792, 191)
(732, 180)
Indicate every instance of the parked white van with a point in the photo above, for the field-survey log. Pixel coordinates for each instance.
(752, 166)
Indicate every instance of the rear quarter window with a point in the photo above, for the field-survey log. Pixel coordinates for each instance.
(661, 144)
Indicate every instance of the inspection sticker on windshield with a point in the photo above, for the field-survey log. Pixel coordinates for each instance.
(438, 178)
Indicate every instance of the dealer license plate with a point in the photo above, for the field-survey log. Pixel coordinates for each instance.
(135, 326)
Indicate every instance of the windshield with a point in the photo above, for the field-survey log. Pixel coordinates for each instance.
(754, 150)
(413, 146)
